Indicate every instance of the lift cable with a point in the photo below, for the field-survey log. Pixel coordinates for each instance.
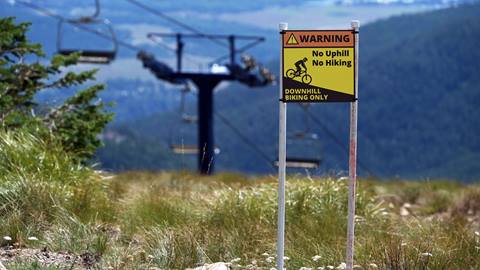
(136, 48)
(239, 50)
(95, 32)
(84, 28)
(195, 31)
(245, 139)
(47, 12)
(334, 138)
(164, 45)
(237, 131)
(175, 21)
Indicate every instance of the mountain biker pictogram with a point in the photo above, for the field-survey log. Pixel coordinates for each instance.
(300, 71)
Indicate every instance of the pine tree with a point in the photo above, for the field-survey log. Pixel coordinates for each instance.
(77, 122)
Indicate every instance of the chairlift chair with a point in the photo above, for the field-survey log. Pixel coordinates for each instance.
(191, 149)
(181, 149)
(191, 119)
(301, 163)
(178, 136)
(305, 133)
(186, 120)
(300, 160)
(92, 56)
(301, 141)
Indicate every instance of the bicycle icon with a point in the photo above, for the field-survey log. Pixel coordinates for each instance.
(300, 71)
(306, 78)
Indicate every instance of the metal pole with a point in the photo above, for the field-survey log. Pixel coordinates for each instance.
(205, 125)
(352, 168)
(179, 52)
(282, 154)
(231, 42)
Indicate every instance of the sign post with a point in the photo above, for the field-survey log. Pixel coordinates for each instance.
(352, 164)
(318, 66)
(282, 156)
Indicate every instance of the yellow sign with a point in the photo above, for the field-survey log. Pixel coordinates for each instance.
(318, 66)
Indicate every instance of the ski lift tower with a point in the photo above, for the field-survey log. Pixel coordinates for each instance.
(206, 83)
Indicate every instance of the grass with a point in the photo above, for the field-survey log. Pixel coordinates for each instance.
(177, 220)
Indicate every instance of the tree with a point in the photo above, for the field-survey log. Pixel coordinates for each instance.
(77, 122)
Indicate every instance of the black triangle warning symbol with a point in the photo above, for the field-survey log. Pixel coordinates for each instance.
(292, 40)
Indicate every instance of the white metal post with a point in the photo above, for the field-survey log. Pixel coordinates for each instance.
(352, 168)
(282, 155)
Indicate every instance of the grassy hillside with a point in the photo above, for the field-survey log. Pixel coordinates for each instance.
(56, 215)
(419, 96)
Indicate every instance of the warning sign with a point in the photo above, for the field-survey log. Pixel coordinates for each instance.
(292, 40)
(318, 66)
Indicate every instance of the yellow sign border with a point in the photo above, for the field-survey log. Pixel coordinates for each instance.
(345, 97)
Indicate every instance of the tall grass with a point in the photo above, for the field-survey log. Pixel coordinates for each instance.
(142, 220)
(39, 183)
(210, 220)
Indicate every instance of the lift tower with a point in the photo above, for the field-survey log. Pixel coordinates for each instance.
(206, 83)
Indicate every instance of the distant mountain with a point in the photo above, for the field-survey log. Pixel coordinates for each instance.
(419, 109)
